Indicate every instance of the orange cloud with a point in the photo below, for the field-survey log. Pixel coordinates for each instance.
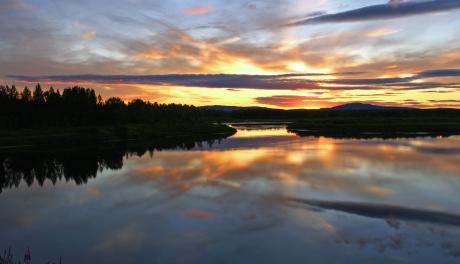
(89, 35)
(379, 191)
(380, 32)
(198, 10)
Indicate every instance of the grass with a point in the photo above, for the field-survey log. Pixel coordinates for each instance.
(369, 126)
(105, 134)
(8, 258)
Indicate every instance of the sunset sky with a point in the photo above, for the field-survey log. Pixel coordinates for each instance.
(280, 53)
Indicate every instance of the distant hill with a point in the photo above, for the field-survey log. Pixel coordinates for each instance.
(349, 106)
(226, 108)
(361, 106)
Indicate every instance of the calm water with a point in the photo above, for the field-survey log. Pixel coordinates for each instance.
(263, 195)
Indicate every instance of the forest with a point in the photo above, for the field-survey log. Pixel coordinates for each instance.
(77, 115)
(78, 106)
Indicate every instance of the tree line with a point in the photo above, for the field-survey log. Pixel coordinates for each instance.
(79, 106)
(332, 115)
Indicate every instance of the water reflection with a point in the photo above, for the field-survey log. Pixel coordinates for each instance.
(80, 164)
(245, 199)
(386, 211)
(370, 135)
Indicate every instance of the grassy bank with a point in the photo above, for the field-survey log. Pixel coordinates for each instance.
(87, 135)
(379, 123)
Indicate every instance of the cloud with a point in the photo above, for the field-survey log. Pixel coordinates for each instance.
(392, 10)
(445, 101)
(15, 5)
(306, 81)
(379, 191)
(372, 81)
(251, 6)
(290, 101)
(125, 238)
(198, 10)
(439, 73)
(380, 32)
(89, 35)
(395, 3)
(238, 81)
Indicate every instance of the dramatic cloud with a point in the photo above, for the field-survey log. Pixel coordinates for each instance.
(240, 81)
(439, 73)
(287, 81)
(307, 81)
(394, 9)
(201, 52)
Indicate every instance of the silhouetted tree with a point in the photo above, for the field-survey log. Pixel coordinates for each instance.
(13, 93)
(37, 96)
(78, 106)
(26, 95)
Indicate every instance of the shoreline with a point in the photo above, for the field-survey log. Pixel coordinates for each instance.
(91, 135)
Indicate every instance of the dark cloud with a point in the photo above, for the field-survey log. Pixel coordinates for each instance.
(394, 9)
(445, 101)
(439, 73)
(395, 2)
(267, 82)
(372, 81)
(240, 81)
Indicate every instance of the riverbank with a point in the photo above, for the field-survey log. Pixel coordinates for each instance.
(356, 126)
(87, 135)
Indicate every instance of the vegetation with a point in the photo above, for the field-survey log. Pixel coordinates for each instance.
(8, 258)
(77, 115)
(295, 115)
(368, 123)
(391, 122)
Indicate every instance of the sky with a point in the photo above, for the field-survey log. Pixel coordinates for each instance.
(280, 53)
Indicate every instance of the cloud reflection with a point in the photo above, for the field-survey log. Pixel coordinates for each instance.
(385, 211)
(210, 203)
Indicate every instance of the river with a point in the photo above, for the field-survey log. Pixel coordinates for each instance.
(263, 195)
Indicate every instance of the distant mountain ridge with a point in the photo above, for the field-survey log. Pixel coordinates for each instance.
(349, 106)
(363, 106)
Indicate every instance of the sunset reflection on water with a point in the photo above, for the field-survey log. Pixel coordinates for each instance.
(250, 197)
